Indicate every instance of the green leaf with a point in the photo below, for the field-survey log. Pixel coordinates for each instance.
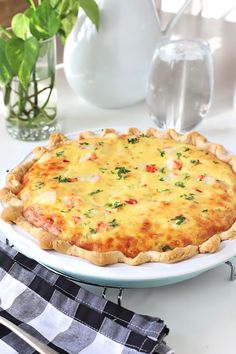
(6, 73)
(22, 56)
(66, 26)
(44, 23)
(29, 12)
(20, 26)
(92, 11)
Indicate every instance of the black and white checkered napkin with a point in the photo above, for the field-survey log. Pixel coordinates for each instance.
(67, 317)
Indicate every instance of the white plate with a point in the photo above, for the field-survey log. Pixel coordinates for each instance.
(119, 275)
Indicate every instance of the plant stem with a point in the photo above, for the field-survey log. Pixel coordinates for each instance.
(7, 93)
(32, 4)
(5, 31)
(50, 92)
(35, 93)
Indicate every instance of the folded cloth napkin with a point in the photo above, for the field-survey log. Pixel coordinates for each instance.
(67, 317)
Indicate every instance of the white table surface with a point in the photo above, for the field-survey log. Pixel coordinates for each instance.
(200, 312)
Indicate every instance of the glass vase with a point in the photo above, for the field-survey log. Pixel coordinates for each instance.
(31, 112)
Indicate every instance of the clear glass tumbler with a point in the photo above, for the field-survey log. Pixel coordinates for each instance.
(180, 84)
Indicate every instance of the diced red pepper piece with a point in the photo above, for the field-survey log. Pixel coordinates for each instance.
(177, 165)
(201, 177)
(73, 179)
(101, 226)
(151, 168)
(65, 160)
(77, 219)
(93, 156)
(131, 201)
(198, 190)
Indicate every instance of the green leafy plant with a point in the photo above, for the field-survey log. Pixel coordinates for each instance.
(22, 46)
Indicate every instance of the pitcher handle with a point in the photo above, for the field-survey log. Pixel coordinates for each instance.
(174, 20)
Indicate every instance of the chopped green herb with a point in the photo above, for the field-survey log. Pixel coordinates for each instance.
(101, 143)
(113, 223)
(186, 176)
(162, 179)
(61, 179)
(126, 147)
(115, 205)
(92, 231)
(179, 219)
(179, 154)
(195, 162)
(162, 170)
(133, 140)
(66, 211)
(39, 185)
(162, 152)
(166, 248)
(88, 213)
(84, 143)
(215, 162)
(60, 153)
(186, 149)
(96, 192)
(180, 184)
(189, 196)
(204, 210)
(103, 169)
(164, 190)
(121, 172)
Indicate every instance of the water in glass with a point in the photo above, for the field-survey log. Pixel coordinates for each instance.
(180, 84)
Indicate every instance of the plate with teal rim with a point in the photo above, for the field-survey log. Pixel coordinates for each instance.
(117, 275)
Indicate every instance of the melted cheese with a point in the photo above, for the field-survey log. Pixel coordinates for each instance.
(130, 194)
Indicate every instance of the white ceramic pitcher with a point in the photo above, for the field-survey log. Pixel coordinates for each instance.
(109, 68)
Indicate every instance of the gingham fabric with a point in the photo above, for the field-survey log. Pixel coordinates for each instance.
(67, 317)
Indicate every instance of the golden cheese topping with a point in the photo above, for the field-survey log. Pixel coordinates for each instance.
(130, 194)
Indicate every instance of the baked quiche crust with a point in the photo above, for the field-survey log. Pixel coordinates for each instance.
(176, 153)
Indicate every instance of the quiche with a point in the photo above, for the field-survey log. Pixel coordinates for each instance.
(131, 197)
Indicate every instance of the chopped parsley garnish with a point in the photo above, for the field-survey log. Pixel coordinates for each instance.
(189, 196)
(204, 210)
(39, 185)
(61, 179)
(186, 176)
(103, 169)
(88, 213)
(121, 172)
(60, 153)
(92, 231)
(143, 135)
(113, 223)
(179, 219)
(163, 190)
(179, 154)
(162, 179)
(195, 162)
(186, 149)
(84, 143)
(115, 205)
(162, 170)
(133, 140)
(101, 143)
(180, 184)
(96, 192)
(166, 248)
(162, 152)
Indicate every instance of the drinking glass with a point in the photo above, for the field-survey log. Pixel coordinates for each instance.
(180, 84)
